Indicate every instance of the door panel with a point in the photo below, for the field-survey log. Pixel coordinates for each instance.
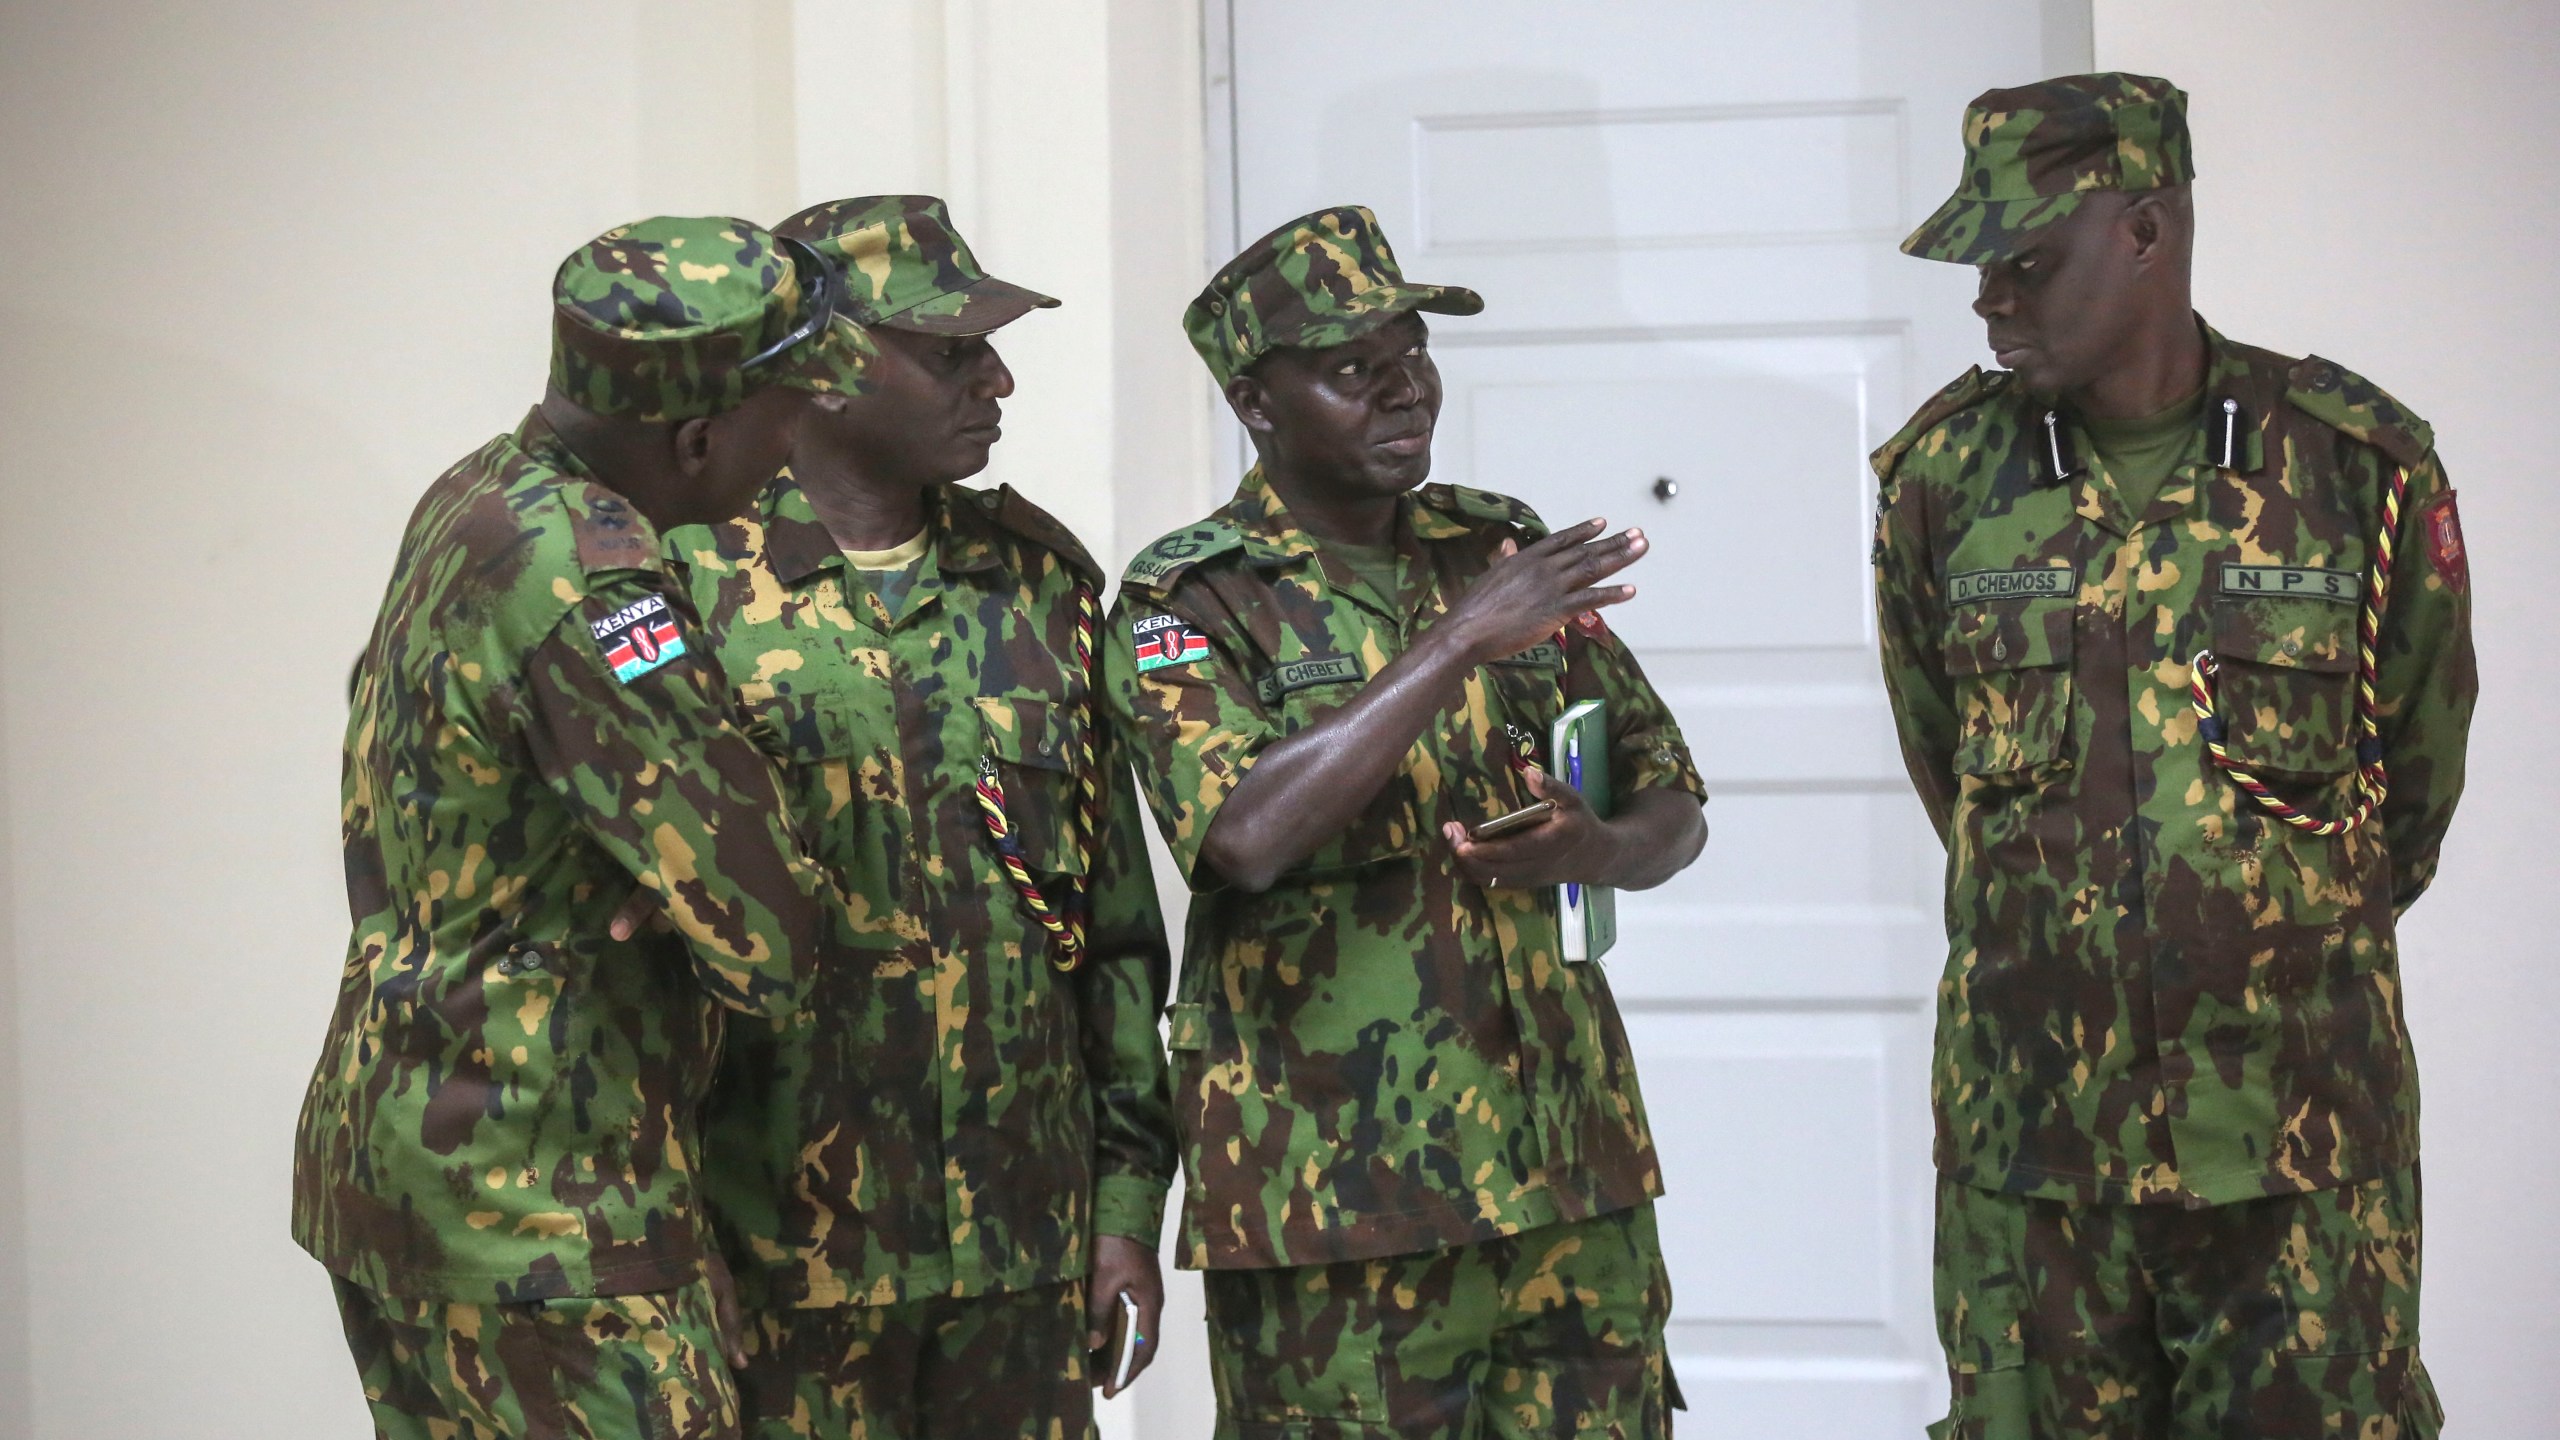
(1682, 215)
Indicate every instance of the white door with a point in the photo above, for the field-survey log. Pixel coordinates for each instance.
(1682, 215)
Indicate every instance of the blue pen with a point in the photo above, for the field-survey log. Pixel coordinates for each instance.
(1573, 777)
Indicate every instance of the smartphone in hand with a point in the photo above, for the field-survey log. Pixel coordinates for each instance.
(1520, 819)
(1117, 1360)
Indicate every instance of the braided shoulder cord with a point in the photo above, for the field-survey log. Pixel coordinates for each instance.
(1069, 928)
(2373, 779)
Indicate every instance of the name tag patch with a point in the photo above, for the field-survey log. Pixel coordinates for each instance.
(638, 638)
(1545, 655)
(1299, 674)
(1975, 587)
(1163, 640)
(2293, 581)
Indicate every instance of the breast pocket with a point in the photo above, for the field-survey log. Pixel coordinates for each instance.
(2286, 683)
(2009, 661)
(1302, 692)
(1038, 747)
(818, 739)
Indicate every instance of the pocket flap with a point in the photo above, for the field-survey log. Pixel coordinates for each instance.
(804, 729)
(1031, 730)
(2009, 634)
(1187, 1028)
(2291, 634)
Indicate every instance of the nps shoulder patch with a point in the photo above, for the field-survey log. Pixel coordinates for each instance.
(1162, 640)
(1159, 565)
(1966, 391)
(638, 638)
(2339, 397)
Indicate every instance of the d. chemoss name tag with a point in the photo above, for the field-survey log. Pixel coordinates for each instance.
(1973, 587)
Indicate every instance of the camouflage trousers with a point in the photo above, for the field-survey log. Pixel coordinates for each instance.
(1553, 1333)
(2294, 1316)
(990, 1367)
(608, 1367)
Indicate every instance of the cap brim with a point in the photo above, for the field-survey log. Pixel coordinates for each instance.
(1968, 231)
(1436, 299)
(978, 308)
(834, 362)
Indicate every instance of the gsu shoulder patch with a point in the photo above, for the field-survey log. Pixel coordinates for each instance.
(638, 638)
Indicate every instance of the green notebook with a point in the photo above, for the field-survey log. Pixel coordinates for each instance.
(1586, 914)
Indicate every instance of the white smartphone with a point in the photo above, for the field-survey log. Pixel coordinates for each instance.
(1119, 1357)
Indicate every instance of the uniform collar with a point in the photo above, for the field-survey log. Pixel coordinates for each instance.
(2239, 403)
(798, 545)
(1273, 537)
(611, 532)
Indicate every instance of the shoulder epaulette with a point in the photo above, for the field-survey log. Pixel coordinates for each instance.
(1968, 390)
(2339, 397)
(1486, 505)
(1010, 510)
(1158, 566)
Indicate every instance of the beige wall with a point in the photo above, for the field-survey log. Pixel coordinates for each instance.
(273, 264)
(2375, 185)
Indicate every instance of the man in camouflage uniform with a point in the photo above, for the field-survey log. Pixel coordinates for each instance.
(1419, 1174)
(496, 1155)
(914, 1187)
(2176, 1108)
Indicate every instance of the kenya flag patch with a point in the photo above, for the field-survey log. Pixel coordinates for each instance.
(638, 638)
(1164, 640)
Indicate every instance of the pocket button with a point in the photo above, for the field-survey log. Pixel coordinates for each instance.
(1999, 649)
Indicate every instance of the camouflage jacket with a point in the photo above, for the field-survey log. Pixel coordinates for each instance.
(505, 1106)
(2155, 991)
(1375, 1056)
(961, 1115)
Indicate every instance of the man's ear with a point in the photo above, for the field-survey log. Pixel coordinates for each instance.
(2147, 222)
(690, 444)
(1251, 403)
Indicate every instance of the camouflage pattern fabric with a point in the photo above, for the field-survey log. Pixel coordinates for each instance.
(2031, 154)
(1375, 1056)
(2292, 1318)
(613, 1367)
(1322, 279)
(657, 320)
(1009, 1365)
(2154, 992)
(907, 269)
(1552, 1333)
(504, 1109)
(959, 1117)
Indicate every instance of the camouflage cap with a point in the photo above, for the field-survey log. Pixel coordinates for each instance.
(907, 269)
(679, 317)
(2032, 152)
(1322, 279)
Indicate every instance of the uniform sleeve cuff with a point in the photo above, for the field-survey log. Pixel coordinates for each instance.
(1129, 1206)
